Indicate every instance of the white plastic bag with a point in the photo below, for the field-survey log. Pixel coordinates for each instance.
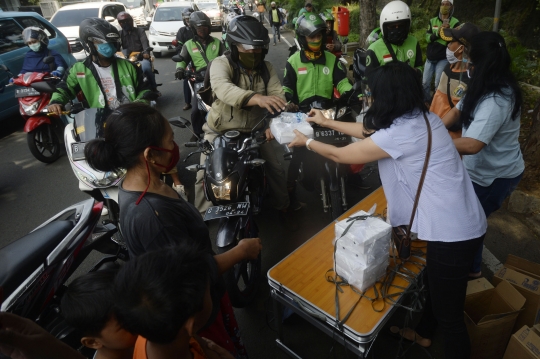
(283, 126)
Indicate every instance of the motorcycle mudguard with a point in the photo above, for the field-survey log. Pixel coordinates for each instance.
(332, 173)
(227, 229)
(35, 121)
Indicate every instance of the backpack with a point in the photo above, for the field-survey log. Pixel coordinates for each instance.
(206, 91)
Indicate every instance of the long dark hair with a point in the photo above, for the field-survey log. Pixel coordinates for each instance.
(490, 75)
(130, 129)
(397, 91)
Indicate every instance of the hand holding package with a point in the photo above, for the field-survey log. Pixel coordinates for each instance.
(283, 126)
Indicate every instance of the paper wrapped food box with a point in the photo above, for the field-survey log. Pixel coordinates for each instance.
(283, 126)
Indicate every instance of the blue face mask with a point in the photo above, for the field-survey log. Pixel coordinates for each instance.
(107, 50)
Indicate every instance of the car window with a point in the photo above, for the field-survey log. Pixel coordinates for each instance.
(169, 13)
(72, 17)
(10, 36)
(32, 21)
(112, 10)
(207, 6)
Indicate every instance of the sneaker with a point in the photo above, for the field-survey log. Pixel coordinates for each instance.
(274, 44)
(104, 211)
(180, 190)
(187, 107)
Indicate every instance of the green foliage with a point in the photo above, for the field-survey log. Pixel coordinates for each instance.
(525, 62)
(294, 6)
(354, 20)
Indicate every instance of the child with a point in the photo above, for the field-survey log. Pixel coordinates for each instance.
(87, 306)
(164, 296)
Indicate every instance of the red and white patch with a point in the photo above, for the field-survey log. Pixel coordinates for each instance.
(387, 58)
(302, 71)
(80, 75)
(195, 50)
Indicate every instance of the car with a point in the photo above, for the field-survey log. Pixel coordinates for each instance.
(68, 18)
(13, 50)
(213, 10)
(140, 10)
(165, 24)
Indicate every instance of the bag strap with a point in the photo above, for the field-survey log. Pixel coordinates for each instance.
(390, 49)
(422, 177)
(201, 51)
(450, 102)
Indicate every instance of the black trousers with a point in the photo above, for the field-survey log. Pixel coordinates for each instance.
(197, 116)
(446, 275)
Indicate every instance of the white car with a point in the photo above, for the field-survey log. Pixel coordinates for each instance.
(68, 18)
(212, 9)
(165, 24)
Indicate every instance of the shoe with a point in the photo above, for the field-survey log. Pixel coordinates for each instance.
(104, 211)
(180, 190)
(187, 107)
(274, 44)
(397, 333)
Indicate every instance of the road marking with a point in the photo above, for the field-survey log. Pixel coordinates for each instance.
(491, 261)
(284, 39)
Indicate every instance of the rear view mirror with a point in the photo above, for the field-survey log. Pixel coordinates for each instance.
(177, 58)
(179, 122)
(48, 60)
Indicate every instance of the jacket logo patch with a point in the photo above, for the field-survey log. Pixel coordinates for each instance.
(214, 47)
(302, 71)
(195, 50)
(410, 54)
(80, 75)
(387, 58)
(326, 70)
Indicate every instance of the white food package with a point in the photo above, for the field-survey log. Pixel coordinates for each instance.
(362, 254)
(283, 126)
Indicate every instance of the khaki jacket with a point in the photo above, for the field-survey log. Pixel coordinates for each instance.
(228, 111)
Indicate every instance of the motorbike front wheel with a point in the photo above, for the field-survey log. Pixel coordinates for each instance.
(44, 144)
(242, 280)
(335, 202)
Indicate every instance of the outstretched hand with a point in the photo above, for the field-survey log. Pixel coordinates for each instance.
(317, 117)
(251, 247)
(299, 140)
(271, 103)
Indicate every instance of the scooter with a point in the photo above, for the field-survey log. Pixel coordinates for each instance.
(235, 182)
(44, 133)
(137, 57)
(34, 269)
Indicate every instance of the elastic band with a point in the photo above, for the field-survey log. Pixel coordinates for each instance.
(146, 189)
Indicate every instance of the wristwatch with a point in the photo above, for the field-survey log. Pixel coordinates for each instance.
(308, 142)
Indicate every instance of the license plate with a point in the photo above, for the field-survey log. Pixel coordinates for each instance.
(229, 210)
(26, 92)
(77, 151)
(327, 135)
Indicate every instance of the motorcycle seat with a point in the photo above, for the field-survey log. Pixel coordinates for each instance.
(19, 259)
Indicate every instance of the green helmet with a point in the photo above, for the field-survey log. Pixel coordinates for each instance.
(309, 24)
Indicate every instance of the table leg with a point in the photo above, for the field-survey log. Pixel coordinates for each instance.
(278, 315)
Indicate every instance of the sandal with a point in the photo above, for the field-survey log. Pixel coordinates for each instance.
(396, 332)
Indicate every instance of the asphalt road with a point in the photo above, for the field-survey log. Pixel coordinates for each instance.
(31, 192)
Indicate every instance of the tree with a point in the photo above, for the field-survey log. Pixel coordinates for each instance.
(368, 18)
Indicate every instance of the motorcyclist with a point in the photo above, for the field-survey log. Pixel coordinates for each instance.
(333, 44)
(105, 80)
(241, 105)
(134, 40)
(182, 36)
(37, 40)
(311, 75)
(200, 50)
(395, 23)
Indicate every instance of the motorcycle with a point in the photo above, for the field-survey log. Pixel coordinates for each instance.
(318, 172)
(196, 83)
(44, 133)
(34, 269)
(250, 5)
(137, 56)
(235, 182)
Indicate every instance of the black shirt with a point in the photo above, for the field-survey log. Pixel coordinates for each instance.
(158, 222)
(134, 40)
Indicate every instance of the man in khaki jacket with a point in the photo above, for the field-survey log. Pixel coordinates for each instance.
(241, 106)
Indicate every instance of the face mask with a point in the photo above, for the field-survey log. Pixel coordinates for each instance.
(445, 10)
(175, 157)
(34, 47)
(250, 60)
(451, 55)
(107, 50)
(315, 46)
(126, 27)
(396, 36)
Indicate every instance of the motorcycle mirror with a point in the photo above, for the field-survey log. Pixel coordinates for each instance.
(256, 162)
(177, 58)
(193, 168)
(345, 40)
(179, 122)
(48, 60)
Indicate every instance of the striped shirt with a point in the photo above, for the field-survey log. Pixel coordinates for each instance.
(448, 210)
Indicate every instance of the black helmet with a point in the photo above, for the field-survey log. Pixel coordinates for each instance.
(309, 24)
(186, 14)
(100, 30)
(198, 19)
(249, 32)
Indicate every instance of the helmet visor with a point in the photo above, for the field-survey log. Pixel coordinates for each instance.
(32, 33)
(252, 47)
(97, 40)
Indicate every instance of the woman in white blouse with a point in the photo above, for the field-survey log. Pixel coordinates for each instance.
(449, 215)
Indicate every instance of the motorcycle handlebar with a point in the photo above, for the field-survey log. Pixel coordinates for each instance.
(191, 144)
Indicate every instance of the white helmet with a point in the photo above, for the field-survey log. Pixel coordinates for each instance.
(395, 22)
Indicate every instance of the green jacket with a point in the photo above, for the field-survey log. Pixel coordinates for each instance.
(436, 48)
(82, 76)
(410, 52)
(190, 52)
(307, 81)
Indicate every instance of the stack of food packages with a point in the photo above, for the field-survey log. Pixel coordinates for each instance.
(283, 126)
(361, 255)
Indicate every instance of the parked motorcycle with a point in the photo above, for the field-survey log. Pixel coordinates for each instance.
(44, 133)
(235, 182)
(35, 268)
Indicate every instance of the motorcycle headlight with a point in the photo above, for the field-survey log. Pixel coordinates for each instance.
(30, 110)
(222, 191)
(341, 112)
(330, 113)
(153, 31)
(110, 178)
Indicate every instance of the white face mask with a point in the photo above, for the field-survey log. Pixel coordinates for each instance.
(35, 47)
(451, 55)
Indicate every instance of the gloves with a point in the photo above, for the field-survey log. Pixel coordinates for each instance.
(180, 73)
(433, 37)
(11, 80)
(56, 73)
